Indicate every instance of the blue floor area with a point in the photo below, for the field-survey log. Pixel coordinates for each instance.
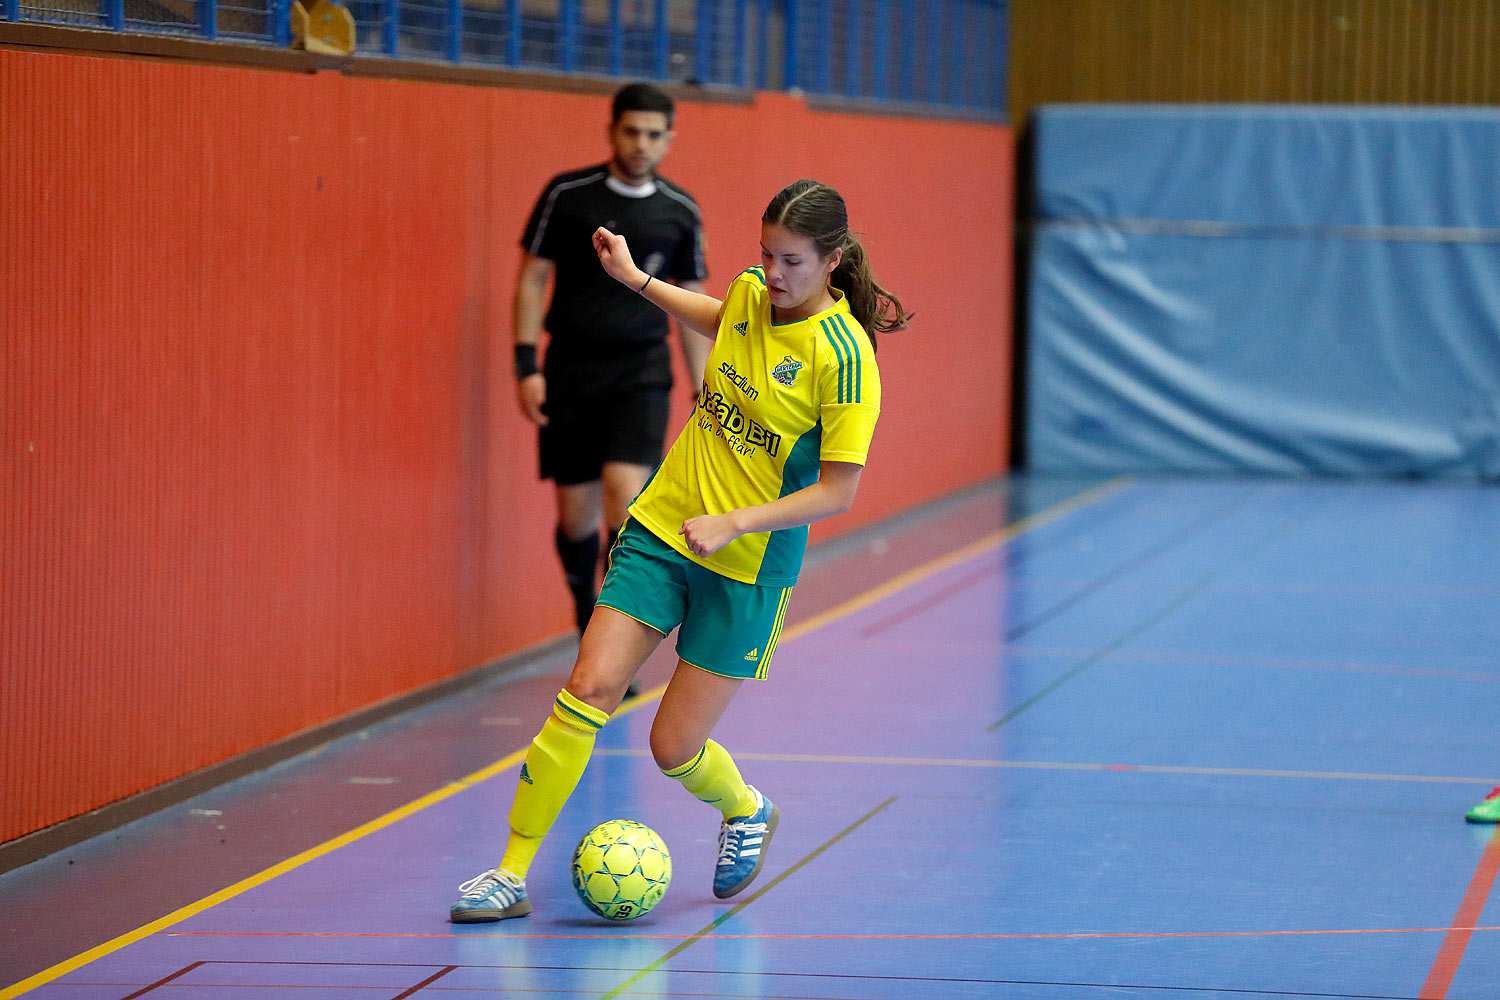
(1153, 739)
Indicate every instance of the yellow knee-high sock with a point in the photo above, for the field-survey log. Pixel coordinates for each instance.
(553, 765)
(712, 777)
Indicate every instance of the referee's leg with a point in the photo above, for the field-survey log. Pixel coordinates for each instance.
(635, 425)
(621, 481)
(579, 506)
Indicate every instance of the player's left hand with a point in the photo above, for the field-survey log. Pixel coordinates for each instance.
(708, 533)
(614, 257)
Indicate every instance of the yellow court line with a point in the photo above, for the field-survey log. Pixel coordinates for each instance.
(505, 763)
(1050, 765)
(244, 885)
(280, 868)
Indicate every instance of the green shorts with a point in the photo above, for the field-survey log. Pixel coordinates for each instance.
(727, 627)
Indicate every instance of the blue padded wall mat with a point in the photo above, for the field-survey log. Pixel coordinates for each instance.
(1265, 290)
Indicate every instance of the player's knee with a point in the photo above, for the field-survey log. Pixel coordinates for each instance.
(596, 691)
(670, 749)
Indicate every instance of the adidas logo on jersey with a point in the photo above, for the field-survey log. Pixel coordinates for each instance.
(754, 654)
(740, 328)
(525, 774)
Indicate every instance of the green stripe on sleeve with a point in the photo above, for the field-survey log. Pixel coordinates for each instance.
(839, 351)
(859, 361)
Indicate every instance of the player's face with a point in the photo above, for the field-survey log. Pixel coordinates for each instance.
(638, 141)
(796, 277)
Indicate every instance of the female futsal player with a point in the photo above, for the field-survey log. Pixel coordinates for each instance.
(715, 540)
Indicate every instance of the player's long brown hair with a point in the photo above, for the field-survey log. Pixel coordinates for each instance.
(815, 210)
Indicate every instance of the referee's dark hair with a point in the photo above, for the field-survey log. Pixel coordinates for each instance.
(642, 97)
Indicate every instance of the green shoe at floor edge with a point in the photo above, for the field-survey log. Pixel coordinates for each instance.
(1488, 810)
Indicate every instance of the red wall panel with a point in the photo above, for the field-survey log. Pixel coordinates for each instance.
(262, 462)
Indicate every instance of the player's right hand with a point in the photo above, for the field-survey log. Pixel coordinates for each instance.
(614, 256)
(531, 392)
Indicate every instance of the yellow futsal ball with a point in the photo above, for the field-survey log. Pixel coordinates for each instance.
(621, 869)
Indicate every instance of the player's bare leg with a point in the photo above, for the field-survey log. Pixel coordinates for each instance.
(694, 702)
(613, 648)
(690, 708)
(621, 482)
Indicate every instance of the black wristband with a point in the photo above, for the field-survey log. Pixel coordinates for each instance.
(526, 361)
(642, 289)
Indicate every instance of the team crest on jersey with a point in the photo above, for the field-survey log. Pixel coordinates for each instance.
(786, 372)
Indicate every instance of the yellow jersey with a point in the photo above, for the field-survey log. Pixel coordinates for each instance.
(777, 399)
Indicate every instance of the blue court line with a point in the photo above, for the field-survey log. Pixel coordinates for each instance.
(1182, 597)
(1090, 588)
(1130, 565)
(961, 555)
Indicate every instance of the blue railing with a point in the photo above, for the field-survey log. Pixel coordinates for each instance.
(949, 53)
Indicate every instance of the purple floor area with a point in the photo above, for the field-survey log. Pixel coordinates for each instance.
(1154, 739)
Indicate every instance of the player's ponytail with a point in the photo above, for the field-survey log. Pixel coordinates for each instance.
(815, 210)
(877, 310)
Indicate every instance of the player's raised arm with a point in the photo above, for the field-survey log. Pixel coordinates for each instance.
(695, 345)
(692, 309)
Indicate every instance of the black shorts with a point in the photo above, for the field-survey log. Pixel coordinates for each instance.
(584, 432)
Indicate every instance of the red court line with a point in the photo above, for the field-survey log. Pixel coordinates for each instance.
(859, 937)
(1451, 952)
(419, 987)
(164, 981)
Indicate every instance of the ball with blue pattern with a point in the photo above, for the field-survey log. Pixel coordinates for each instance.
(621, 869)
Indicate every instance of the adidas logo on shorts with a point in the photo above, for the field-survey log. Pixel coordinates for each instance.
(754, 654)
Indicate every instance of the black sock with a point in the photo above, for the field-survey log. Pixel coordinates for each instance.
(580, 562)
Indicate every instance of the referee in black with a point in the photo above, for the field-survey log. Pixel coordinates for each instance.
(600, 397)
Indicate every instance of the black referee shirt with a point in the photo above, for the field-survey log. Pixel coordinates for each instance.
(596, 323)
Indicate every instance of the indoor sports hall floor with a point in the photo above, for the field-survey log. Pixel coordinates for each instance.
(1140, 739)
